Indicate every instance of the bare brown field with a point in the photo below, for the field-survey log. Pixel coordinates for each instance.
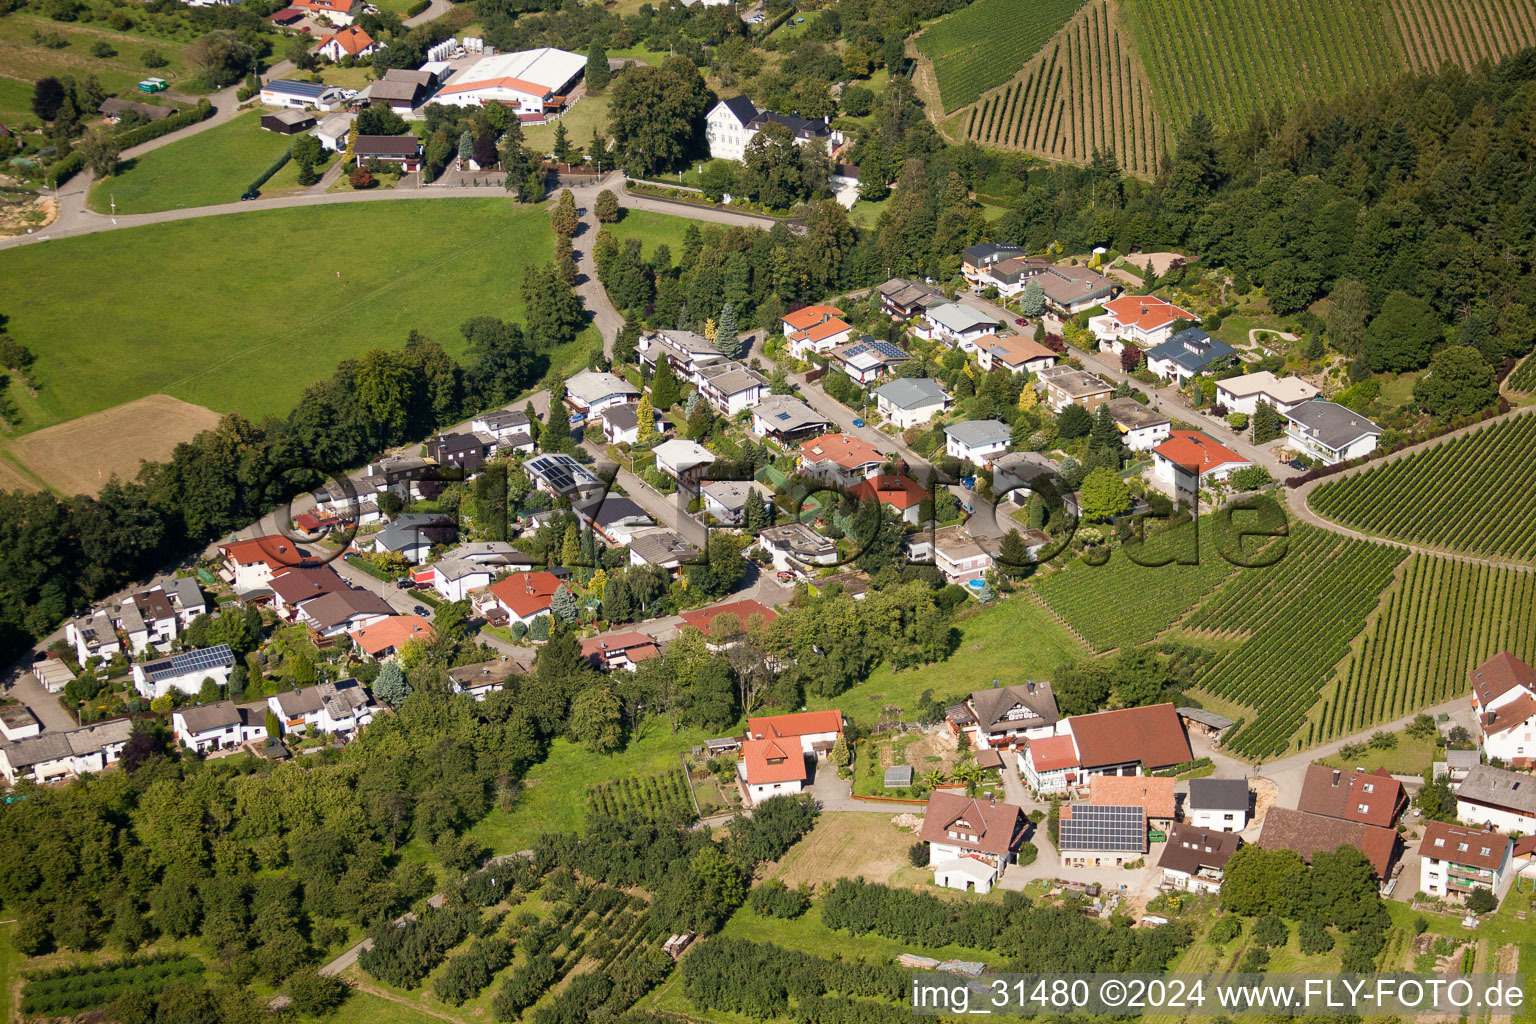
(1085, 90)
(79, 456)
(847, 844)
(13, 479)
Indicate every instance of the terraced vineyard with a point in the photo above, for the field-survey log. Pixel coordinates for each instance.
(980, 46)
(1085, 91)
(1295, 620)
(1523, 379)
(1444, 617)
(1436, 32)
(1472, 494)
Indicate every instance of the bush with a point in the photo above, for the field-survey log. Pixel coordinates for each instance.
(1238, 421)
(61, 171)
(103, 49)
(917, 854)
(272, 168)
(361, 179)
(154, 129)
(153, 59)
(417, 7)
(1028, 852)
(1482, 901)
(1226, 928)
(1269, 931)
(775, 899)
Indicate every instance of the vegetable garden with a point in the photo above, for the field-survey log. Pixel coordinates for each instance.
(661, 797)
(980, 46)
(1296, 619)
(1471, 494)
(1441, 620)
(66, 991)
(1084, 91)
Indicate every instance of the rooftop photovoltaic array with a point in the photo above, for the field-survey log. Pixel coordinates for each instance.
(192, 661)
(1104, 828)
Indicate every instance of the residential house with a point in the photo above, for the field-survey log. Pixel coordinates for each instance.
(815, 329)
(786, 419)
(347, 42)
(291, 588)
(1145, 321)
(1013, 471)
(794, 546)
(465, 452)
(404, 150)
(222, 725)
(771, 767)
(684, 461)
(1070, 290)
(1455, 859)
(955, 324)
(1504, 697)
(524, 596)
(840, 460)
(589, 392)
(336, 709)
(867, 360)
(619, 651)
(977, 260)
(1310, 834)
(907, 401)
(406, 476)
(688, 352)
(1330, 433)
(621, 424)
(412, 535)
(1195, 859)
(745, 610)
(92, 636)
(853, 582)
(383, 640)
(1128, 741)
(971, 840)
(1218, 805)
(401, 90)
(300, 95)
(901, 492)
(662, 548)
(1187, 354)
(18, 723)
(1498, 798)
(344, 611)
(903, 299)
(1014, 353)
(1099, 835)
(183, 672)
(1153, 795)
(1011, 276)
(1064, 386)
(726, 500)
(333, 130)
(58, 756)
(958, 556)
(337, 12)
(288, 121)
(1050, 764)
(562, 476)
(484, 677)
(509, 428)
(1005, 716)
(1243, 394)
(977, 441)
(249, 564)
(186, 598)
(1141, 428)
(616, 520)
(1190, 460)
(730, 387)
(534, 83)
(732, 124)
(454, 576)
(1373, 799)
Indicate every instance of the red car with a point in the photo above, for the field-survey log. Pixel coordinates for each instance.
(786, 576)
(1020, 321)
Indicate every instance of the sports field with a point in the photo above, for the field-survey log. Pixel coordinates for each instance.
(243, 312)
(208, 168)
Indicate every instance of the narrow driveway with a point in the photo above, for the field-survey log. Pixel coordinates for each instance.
(44, 705)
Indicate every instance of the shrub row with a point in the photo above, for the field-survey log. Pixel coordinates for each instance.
(155, 129)
(273, 168)
(61, 171)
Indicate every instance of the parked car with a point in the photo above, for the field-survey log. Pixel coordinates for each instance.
(858, 423)
(421, 610)
(405, 583)
(786, 575)
(1297, 464)
(1021, 322)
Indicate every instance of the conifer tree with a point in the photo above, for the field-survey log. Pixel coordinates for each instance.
(664, 388)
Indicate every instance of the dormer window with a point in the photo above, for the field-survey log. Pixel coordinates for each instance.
(1370, 787)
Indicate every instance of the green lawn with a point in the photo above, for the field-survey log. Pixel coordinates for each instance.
(23, 58)
(15, 101)
(367, 1008)
(588, 113)
(5, 972)
(211, 167)
(555, 799)
(652, 229)
(1409, 757)
(1010, 641)
(242, 312)
(864, 213)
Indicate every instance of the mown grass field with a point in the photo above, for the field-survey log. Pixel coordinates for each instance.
(211, 167)
(1010, 641)
(15, 101)
(652, 229)
(980, 46)
(22, 58)
(242, 312)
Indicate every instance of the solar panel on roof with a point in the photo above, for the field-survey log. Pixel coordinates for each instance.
(890, 351)
(1094, 827)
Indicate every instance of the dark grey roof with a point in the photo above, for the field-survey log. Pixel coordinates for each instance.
(622, 417)
(562, 472)
(802, 127)
(502, 418)
(1499, 787)
(1205, 717)
(1131, 414)
(976, 433)
(615, 510)
(787, 413)
(51, 746)
(414, 528)
(189, 662)
(1111, 829)
(208, 717)
(1192, 349)
(661, 546)
(306, 90)
(741, 108)
(988, 250)
(387, 91)
(388, 145)
(1218, 794)
(1189, 849)
(1331, 423)
(911, 392)
(338, 607)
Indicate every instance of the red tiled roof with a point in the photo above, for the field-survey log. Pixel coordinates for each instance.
(275, 552)
(1507, 716)
(1443, 841)
(846, 451)
(821, 331)
(1152, 735)
(804, 723)
(1147, 312)
(1341, 794)
(770, 761)
(515, 84)
(1052, 753)
(351, 39)
(800, 319)
(1500, 674)
(995, 826)
(1155, 796)
(391, 633)
(302, 584)
(901, 492)
(1016, 348)
(636, 646)
(1309, 834)
(325, 6)
(526, 592)
(1196, 452)
(701, 619)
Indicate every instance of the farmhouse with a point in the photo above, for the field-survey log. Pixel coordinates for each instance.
(348, 42)
(977, 441)
(908, 401)
(817, 329)
(1218, 805)
(971, 841)
(1145, 321)
(183, 672)
(1455, 859)
(535, 83)
(1504, 696)
(619, 651)
(1102, 835)
(1129, 741)
(1311, 834)
(733, 123)
(902, 493)
(795, 545)
(1153, 795)
(1498, 798)
(383, 640)
(1372, 799)
(1006, 716)
(57, 756)
(1190, 460)
(339, 708)
(591, 391)
(839, 459)
(1330, 433)
(1243, 394)
(1141, 428)
(786, 419)
(903, 299)
(1014, 353)
(1195, 858)
(1187, 354)
(223, 725)
(1064, 386)
(299, 95)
